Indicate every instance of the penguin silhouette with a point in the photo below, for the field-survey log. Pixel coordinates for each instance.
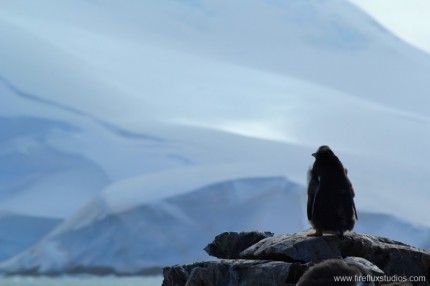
(330, 205)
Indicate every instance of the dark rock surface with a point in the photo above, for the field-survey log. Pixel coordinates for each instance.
(282, 260)
(237, 272)
(364, 264)
(329, 271)
(392, 257)
(229, 245)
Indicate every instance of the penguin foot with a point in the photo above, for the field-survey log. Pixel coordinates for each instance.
(316, 233)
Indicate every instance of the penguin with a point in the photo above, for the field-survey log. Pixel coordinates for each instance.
(330, 206)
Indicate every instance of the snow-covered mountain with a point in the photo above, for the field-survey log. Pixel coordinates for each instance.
(50, 157)
(115, 112)
(18, 232)
(174, 230)
(176, 227)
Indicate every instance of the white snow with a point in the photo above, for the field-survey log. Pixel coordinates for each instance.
(18, 232)
(116, 110)
(180, 225)
(406, 19)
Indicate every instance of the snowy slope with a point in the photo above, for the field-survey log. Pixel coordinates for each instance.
(174, 230)
(140, 72)
(49, 158)
(17, 232)
(33, 169)
(126, 50)
(54, 158)
(386, 131)
(141, 103)
(133, 240)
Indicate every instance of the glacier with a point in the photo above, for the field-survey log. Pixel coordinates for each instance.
(140, 123)
(130, 241)
(20, 232)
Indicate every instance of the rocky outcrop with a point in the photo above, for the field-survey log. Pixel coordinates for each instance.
(229, 245)
(392, 257)
(257, 258)
(234, 272)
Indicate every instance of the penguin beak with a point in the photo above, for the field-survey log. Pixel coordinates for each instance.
(314, 154)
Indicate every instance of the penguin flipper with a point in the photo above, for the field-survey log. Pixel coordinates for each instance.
(310, 205)
(351, 191)
(313, 184)
(355, 210)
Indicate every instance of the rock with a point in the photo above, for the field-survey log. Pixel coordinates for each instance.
(364, 264)
(358, 270)
(228, 245)
(234, 273)
(392, 257)
(294, 248)
(282, 260)
(329, 271)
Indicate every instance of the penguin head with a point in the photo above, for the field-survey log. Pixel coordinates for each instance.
(323, 151)
(325, 158)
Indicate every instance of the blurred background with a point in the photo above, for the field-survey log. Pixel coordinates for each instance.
(132, 132)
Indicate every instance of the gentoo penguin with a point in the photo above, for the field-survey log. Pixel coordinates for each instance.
(331, 205)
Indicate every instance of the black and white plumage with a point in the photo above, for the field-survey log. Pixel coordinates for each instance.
(330, 205)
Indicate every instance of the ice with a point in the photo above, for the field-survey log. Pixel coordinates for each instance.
(155, 120)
